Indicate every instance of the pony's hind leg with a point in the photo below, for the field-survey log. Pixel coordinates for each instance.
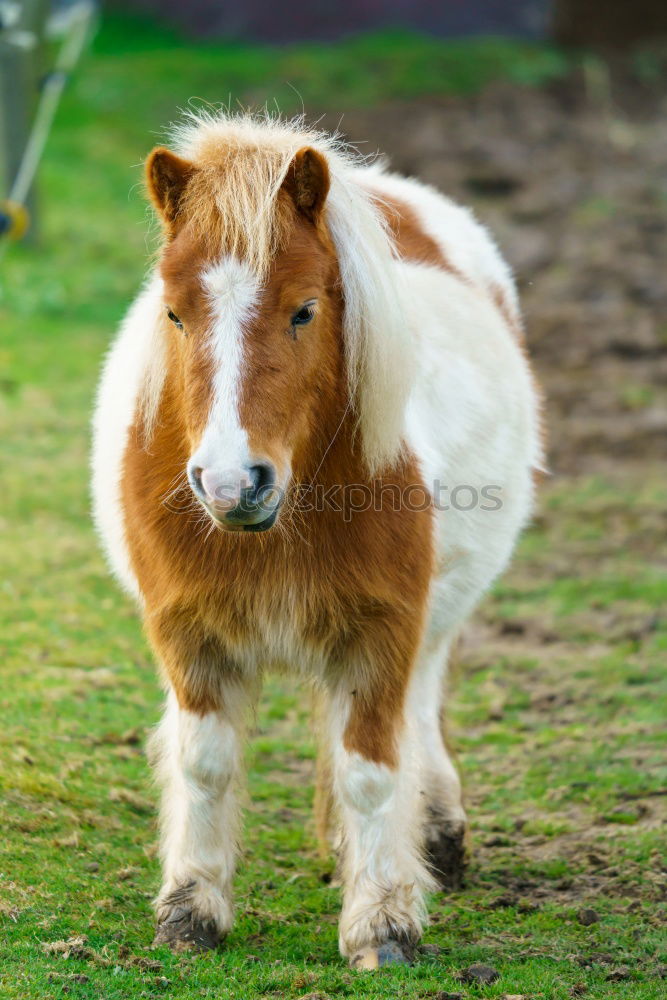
(327, 820)
(446, 838)
(445, 827)
(197, 752)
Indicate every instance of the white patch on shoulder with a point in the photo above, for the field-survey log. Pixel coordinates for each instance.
(232, 290)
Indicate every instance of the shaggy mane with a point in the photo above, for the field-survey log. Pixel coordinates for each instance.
(242, 161)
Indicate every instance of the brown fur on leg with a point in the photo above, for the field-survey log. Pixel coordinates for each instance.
(326, 822)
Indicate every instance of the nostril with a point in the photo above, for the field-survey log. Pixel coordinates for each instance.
(263, 477)
(195, 476)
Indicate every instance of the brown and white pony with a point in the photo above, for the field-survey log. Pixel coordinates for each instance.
(314, 444)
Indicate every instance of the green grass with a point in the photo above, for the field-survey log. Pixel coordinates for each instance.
(383, 65)
(560, 729)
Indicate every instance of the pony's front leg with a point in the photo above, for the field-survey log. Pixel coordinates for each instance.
(197, 761)
(197, 752)
(377, 787)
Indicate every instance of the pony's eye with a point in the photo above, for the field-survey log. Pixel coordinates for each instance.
(304, 314)
(174, 319)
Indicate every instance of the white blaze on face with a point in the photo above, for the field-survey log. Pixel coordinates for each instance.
(232, 290)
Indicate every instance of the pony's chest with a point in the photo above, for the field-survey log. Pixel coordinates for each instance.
(274, 621)
(280, 638)
(269, 607)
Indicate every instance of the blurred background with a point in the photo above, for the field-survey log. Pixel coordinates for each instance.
(548, 117)
(544, 114)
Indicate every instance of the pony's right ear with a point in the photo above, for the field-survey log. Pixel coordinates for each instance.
(167, 176)
(307, 182)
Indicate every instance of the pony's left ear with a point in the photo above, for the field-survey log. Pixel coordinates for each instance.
(307, 182)
(167, 176)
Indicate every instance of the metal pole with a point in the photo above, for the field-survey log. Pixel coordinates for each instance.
(21, 68)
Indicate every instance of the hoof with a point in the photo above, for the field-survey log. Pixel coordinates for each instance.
(389, 953)
(447, 854)
(183, 931)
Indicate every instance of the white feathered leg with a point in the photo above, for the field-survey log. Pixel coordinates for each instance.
(384, 876)
(197, 759)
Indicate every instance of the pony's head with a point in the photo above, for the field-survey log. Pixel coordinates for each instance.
(268, 321)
